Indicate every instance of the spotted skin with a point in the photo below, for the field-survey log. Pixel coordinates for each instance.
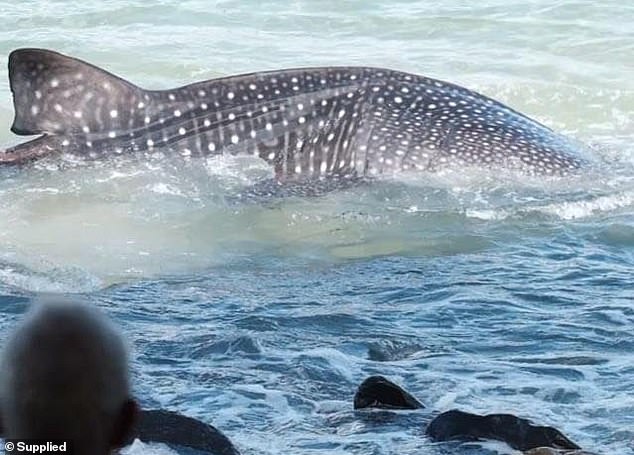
(307, 123)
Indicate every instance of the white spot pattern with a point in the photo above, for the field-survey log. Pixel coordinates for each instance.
(317, 121)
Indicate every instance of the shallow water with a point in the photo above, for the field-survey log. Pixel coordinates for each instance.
(261, 315)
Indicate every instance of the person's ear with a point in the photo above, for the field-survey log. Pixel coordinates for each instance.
(123, 430)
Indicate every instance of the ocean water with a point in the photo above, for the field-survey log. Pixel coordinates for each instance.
(476, 289)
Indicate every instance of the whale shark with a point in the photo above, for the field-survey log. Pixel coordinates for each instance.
(307, 123)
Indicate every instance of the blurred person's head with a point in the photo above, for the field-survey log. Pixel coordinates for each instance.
(64, 376)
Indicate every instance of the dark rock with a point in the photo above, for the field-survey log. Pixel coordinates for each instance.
(518, 433)
(378, 392)
(176, 429)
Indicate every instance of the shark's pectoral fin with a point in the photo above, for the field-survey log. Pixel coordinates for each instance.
(53, 93)
(30, 151)
(268, 189)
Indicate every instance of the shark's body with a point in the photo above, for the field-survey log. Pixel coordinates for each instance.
(307, 123)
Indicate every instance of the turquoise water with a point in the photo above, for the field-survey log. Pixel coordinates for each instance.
(476, 290)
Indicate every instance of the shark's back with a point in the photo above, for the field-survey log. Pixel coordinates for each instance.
(308, 122)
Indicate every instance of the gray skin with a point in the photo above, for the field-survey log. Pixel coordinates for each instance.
(344, 122)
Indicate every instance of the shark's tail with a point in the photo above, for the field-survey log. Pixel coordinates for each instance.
(56, 94)
(60, 96)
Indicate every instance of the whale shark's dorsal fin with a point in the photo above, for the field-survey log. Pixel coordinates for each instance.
(52, 92)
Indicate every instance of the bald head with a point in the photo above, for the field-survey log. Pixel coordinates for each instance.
(65, 376)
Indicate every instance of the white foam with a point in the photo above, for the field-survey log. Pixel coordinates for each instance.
(140, 448)
(487, 214)
(565, 210)
(588, 208)
(166, 188)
